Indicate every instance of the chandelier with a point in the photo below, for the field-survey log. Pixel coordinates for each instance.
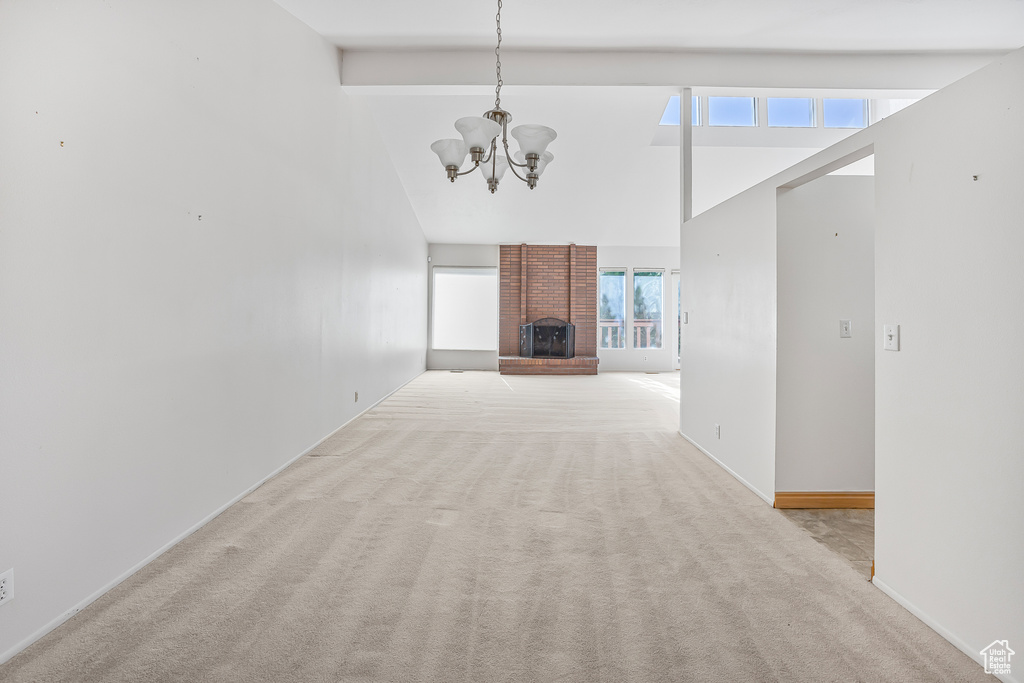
(480, 141)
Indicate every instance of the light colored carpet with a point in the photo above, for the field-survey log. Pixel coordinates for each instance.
(850, 533)
(474, 529)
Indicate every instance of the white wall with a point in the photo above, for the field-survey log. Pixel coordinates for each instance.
(473, 255)
(629, 259)
(950, 439)
(825, 413)
(722, 172)
(727, 368)
(949, 477)
(203, 255)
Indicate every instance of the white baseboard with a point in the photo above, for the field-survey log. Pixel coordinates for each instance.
(937, 627)
(9, 654)
(766, 498)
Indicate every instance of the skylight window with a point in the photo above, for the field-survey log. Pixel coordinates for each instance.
(845, 113)
(670, 117)
(732, 111)
(791, 112)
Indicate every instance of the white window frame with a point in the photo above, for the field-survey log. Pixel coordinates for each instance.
(814, 112)
(676, 280)
(631, 323)
(757, 111)
(625, 307)
(867, 113)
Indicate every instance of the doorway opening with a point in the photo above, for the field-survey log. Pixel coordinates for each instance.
(825, 412)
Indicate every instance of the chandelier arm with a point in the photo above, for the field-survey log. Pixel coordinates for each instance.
(516, 174)
(519, 176)
(475, 166)
(489, 154)
(508, 155)
(504, 143)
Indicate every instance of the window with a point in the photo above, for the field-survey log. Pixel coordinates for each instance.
(647, 309)
(670, 117)
(611, 322)
(732, 111)
(845, 113)
(679, 317)
(791, 112)
(465, 309)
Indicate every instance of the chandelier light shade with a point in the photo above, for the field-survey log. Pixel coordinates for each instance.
(480, 141)
(533, 139)
(478, 133)
(451, 152)
(493, 170)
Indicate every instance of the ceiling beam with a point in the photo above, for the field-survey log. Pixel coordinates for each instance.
(892, 71)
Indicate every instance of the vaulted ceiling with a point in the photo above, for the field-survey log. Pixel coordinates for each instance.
(601, 71)
(827, 25)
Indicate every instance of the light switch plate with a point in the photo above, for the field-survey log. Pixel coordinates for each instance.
(686, 317)
(891, 337)
(845, 329)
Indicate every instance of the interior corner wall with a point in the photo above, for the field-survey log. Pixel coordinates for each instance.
(727, 367)
(465, 255)
(825, 411)
(949, 444)
(203, 256)
(665, 259)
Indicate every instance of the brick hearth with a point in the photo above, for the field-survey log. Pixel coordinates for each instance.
(580, 365)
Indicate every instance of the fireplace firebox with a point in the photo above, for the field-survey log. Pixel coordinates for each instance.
(547, 338)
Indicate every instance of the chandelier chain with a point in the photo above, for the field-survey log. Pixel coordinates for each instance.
(497, 60)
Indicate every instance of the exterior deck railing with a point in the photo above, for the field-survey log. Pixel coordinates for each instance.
(612, 334)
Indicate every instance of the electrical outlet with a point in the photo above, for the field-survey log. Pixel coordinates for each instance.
(6, 586)
(718, 431)
(357, 397)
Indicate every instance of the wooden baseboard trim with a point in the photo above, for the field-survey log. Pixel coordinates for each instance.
(863, 500)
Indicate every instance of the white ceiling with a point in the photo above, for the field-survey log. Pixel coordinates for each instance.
(830, 25)
(608, 184)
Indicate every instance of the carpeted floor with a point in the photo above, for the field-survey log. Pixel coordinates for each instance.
(850, 533)
(474, 528)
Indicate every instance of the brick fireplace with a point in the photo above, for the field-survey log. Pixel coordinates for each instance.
(539, 282)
